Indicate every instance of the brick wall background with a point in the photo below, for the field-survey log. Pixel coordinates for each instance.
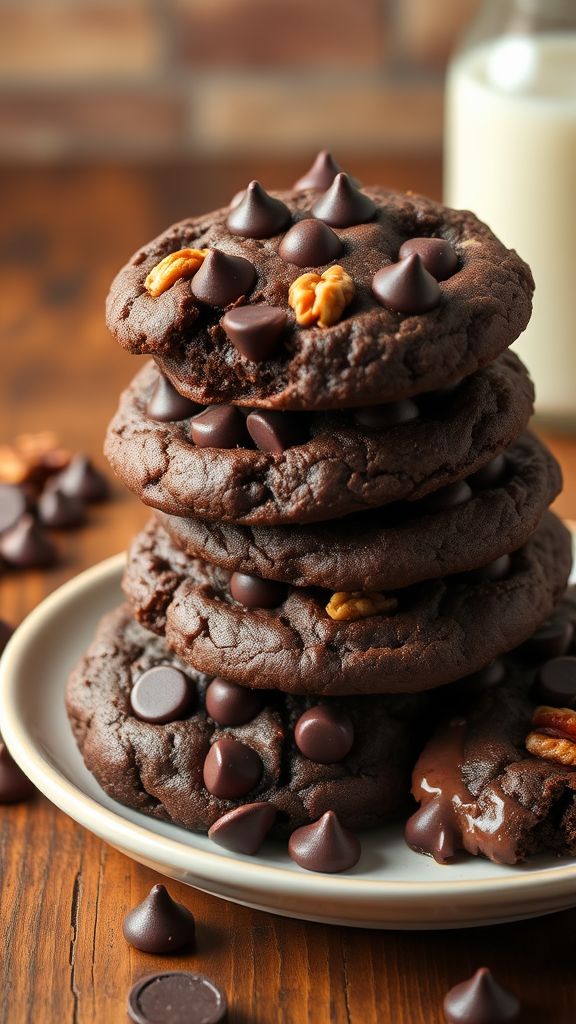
(168, 78)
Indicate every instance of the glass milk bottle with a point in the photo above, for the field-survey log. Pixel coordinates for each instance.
(511, 157)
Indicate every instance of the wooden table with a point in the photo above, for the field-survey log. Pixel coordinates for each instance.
(63, 893)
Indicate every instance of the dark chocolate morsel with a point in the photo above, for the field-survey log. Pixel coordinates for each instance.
(220, 426)
(406, 287)
(81, 480)
(321, 174)
(325, 845)
(60, 511)
(237, 198)
(158, 924)
(551, 640)
(14, 785)
(431, 830)
(12, 506)
(310, 243)
(222, 279)
(255, 592)
(324, 734)
(274, 432)
(437, 255)
(343, 204)
(230, 704)
(556, 682)
(378, 417)
(162, 694)
(176, 997)
(231, 769)
(491, 675)
(254, 330)
(244, 829)
(481, 1000)
(257, 214)
(166, 405)
(495, 570)
(5, 634)
(26, 545)
(491, 474)
(447, 497)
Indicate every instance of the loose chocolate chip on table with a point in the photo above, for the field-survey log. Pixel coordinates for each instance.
(60, 511)
(481, 1000)
(406, 287)
(162, 694)
(254, 330)
(220, 426)
(81, 480)
(556, 682)
(430, 830)
(158, 924)
(14, 785)
(321, 174)
(310, 243)
(222, 279)
(274, 432)
(258, 214)
(551, 640)
(378, 417)
(325, 845)
(26, 545)
(491, 474)
(324, 734)
(12, 506)
(166, 405)
(255, 592)
(176, 997)
(230, 704)
(447, 497)
(231, 769)
(244, 829)
(493, 571)
(343, 204)
(437, 255)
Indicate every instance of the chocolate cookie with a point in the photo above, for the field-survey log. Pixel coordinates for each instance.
(349, 463)
(481, 790)
(394, 546)
(171, 769)
(399, 335)
(263, 634)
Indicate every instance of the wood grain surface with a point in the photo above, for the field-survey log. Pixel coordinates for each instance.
(63, 893)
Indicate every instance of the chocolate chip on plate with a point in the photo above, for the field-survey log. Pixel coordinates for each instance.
(244, 829)
(176, 997)
(158, 924)
(162, 694)
(81, 480)
(481, 1000)
(26, 545)
(60, 511)
(325, 845)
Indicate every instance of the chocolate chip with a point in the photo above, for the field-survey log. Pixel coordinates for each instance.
(447, 497)
(493, 571)
(220, 426)
(5, 634)
(556, 683)
(406, 287)
(255, 592)
(491, 474)
(230, 704)
(324, 734)
(14, 785)
(176, 997)
(325, 845)
(162, 694)
(431, 830)
(481, 1000)
(13, 505)
(166, 405)
(257, 215)
(158, 924)
(237, 198)
(254, 330)
(378, 417)
(321, 174)
(231, 769)
(222, 279)
(487, 677)
(60, 511)
(244, 829)
(81, 480)
(437, 255)
(274, 432)
(551, 640)
(310, 243)
(343, 204)
(26, 545)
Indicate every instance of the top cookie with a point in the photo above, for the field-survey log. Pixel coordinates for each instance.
(359, 336)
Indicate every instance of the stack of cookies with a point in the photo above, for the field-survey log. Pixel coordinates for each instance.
(348, 511)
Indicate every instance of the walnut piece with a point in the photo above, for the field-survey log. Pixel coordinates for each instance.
(554, 738)
(174, 266)
(321, 298)
(347, 606)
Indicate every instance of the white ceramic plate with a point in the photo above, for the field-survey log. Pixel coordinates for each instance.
(391, 887)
